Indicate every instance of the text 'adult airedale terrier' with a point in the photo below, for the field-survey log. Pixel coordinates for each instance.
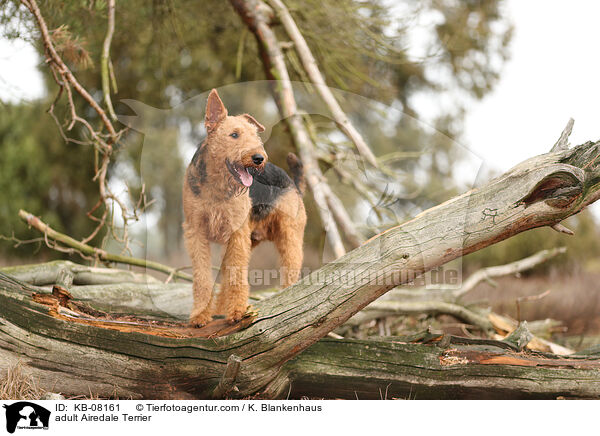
(232, 196)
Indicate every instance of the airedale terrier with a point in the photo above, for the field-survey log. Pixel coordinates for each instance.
(232, 196)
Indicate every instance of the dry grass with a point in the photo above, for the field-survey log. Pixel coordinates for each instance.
(16, 384)
(574, 299)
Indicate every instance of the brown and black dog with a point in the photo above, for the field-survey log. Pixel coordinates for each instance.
(232, 196)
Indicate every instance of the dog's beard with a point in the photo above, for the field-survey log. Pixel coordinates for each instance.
(235, 189)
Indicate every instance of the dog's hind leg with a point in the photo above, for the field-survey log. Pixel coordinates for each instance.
(289, 240)
(233, 298)
(198, 248)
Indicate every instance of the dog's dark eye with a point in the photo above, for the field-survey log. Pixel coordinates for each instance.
(234, 135)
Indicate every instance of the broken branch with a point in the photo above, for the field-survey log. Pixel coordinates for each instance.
(88, 250)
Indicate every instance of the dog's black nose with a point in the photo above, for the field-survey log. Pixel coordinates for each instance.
(257, 158)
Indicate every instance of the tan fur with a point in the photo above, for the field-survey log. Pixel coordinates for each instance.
(217, 210)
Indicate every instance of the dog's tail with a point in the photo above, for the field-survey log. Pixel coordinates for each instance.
(297, 169)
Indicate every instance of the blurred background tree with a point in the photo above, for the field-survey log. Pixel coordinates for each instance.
(166, 51)
(38, 172)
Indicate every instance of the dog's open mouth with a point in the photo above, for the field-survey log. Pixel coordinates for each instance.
(241, 173)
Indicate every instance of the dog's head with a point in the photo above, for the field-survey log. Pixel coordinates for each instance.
(234, 141)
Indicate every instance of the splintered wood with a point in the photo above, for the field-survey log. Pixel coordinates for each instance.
(61, 305)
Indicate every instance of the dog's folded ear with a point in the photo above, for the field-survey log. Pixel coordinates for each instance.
(215, 111)
(252, 120)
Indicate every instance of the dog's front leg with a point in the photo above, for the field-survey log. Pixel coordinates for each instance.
(233, 298)
(198, 248)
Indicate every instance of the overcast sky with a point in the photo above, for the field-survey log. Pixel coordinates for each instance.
(553, 74)
(19, 76)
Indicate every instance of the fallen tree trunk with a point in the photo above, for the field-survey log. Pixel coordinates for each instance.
(75, 358)
(387, 369)
(158, 360)
(172, 301)
(49, 273)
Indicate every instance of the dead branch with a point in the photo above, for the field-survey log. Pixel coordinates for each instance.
(73, 355)
(385, 308)
(84, 250)
(562, 143)
(505, 325)
(105, 59)
(45, 274)
(444, 292)
(102, 140)
(505, 270)
(61, 68)
(310, 66)
(460, 369)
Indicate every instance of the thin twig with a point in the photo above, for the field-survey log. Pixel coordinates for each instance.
(529, 298)
(102, 142)
(64, 70)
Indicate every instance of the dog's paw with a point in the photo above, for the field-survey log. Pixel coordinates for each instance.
(235, 316)
(200, 320)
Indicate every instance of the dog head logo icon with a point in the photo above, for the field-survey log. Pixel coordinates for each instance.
(26, 415)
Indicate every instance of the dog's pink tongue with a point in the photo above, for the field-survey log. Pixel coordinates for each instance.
(245, 177)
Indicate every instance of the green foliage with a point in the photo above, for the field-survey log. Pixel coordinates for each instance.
(42, 175)
(394, 50)
(474, 36)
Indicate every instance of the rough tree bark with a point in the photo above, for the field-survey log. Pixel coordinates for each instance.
(442, 299)
(72, 349)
